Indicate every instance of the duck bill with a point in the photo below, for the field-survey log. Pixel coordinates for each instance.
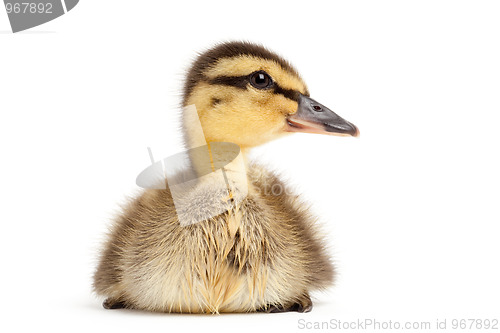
(313, 117)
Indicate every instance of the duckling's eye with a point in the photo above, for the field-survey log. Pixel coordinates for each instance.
(260, 80)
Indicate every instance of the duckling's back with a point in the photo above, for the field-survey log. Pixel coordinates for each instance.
(264, 254)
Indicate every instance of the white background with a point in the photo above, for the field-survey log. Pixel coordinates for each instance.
(411, 207)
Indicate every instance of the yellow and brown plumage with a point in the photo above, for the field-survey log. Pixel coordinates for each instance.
(263, 254)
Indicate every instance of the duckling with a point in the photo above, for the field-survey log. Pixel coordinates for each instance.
(263, 253)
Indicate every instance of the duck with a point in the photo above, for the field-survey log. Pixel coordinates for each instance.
(262, 251)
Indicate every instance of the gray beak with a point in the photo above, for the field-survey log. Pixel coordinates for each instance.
(313, 117)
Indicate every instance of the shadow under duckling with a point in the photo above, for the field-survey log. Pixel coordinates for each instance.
(261, 254)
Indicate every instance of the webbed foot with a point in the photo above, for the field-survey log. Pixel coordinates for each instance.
(112, 304)
(304, 305)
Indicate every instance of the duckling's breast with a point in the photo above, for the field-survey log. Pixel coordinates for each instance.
(258, 253)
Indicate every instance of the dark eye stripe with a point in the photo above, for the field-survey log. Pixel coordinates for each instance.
(233, 81)
(288, 93)
(242, 82)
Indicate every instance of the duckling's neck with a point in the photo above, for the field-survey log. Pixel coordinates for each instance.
(214, 156)
(219, 154)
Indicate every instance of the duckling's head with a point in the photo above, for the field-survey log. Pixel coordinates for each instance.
(248, 95)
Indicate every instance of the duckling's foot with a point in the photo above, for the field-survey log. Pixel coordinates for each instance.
(304, 305)
(111, 304)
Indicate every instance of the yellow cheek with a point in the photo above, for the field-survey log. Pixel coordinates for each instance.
(245, 117)
(282, 104)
